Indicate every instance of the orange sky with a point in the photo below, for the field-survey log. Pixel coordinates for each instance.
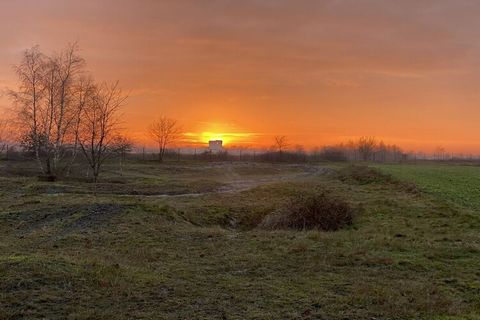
(317, 71)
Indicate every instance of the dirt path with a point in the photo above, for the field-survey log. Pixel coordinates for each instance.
(235, 182)
(238, 184)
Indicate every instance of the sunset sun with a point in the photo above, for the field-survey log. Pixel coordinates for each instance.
(210, 136)
(215, 132)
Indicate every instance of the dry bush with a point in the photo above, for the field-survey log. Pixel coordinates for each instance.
(306, 212)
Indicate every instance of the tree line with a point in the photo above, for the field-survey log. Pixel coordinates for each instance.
(363, 149)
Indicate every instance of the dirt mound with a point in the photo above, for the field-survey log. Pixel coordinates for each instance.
(363, 175)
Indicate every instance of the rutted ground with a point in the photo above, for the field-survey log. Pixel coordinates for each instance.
(184, 180)
(408, 254)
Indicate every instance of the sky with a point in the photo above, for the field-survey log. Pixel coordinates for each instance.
(317, 71)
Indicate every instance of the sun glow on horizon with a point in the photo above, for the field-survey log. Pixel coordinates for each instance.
(228, 138)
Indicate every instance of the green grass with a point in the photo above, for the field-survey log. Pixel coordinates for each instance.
(459, 184)
(68, 255)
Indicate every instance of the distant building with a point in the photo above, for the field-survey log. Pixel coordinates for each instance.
(215, 146)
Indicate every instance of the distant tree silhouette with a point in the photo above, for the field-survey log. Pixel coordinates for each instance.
(366, 147)
(439, 153)
(121, 146)
(381, 152)
(333, 153)
(281, 143)
(164, 131)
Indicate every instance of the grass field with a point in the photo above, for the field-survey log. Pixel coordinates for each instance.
(181, 241)
(457, 183)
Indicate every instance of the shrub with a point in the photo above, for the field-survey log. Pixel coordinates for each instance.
(306, 212)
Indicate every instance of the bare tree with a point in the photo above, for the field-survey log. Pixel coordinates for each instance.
(164, 131)
(366, 147)
(83, 92)
(396, 153)
(28, 98)
(67, 66)
(98, 133)
(121, 147)
(46, 105)
(281, 143)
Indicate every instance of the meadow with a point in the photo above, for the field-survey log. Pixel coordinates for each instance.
(181, 240)
(459, 184)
